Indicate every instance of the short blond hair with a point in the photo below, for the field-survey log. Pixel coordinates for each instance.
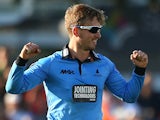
(78, 14)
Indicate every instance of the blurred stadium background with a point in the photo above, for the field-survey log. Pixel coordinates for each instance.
(131, 24)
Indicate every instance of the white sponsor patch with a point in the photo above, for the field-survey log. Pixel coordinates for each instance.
(84, 93)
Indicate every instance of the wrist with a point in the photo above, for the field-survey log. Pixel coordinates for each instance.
(20, 61)
(139, 70)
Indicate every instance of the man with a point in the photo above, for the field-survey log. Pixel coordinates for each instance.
(74, 77)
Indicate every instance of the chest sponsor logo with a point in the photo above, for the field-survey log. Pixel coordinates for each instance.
(84, 93)
(64, 71)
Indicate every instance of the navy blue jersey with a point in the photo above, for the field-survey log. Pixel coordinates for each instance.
(73, 88)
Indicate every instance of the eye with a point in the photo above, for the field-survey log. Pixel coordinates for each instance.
(94, 29)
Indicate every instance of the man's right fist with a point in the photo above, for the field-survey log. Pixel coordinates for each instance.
(29, 50)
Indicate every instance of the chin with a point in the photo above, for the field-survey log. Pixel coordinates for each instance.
(92, 48)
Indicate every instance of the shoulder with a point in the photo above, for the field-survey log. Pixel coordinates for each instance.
(104, 58)
(107, 63)
(51, 58)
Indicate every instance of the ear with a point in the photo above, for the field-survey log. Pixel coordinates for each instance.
(75, 31)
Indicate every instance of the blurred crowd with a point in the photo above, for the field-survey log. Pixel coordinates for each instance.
(117, 31)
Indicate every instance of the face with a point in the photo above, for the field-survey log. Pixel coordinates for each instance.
(87, 40)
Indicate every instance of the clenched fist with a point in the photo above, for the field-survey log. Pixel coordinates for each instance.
(139, 58)
(29, 50)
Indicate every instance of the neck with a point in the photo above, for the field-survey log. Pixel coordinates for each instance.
(78, 53)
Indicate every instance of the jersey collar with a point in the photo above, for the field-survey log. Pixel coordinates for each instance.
(66, 54)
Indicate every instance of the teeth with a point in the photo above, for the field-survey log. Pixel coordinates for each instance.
(95, 41)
